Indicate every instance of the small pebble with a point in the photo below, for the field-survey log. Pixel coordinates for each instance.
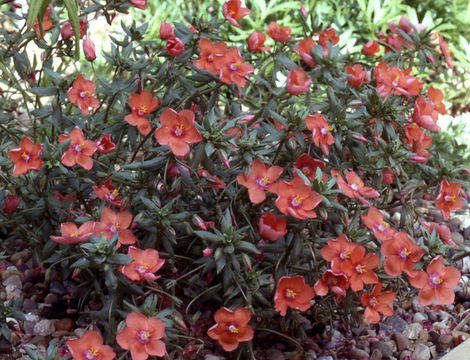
(444, 342)
(376, 355)
(418, 317)
(421, 352)
(412, 331)
(64, 324)
(44, 327)
(358, 354)
(401, 341)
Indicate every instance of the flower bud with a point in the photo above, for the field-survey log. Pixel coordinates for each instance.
(387, 177)
(174, 46)
(166, 31)
(207, 252)
(11, 204)
(89, 49)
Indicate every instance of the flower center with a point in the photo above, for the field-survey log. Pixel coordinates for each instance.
(263, 182)
(435, 280)
(210, 57)
(290, 294)
(234, 66)
(332, 280)
(74, 234)
(449, 198)
(344, 255)
(83, 94)
(142, 268)
(142, 110)
(143, 336)
(404, 253)
(113, 228)
(178, 130)
(323, 131)
(113, 195)
(78, 148)
(90, 354)
(306, 170)
(232, 329)
(360, 268)
(373, 302)
(26, 157)
(296, 201)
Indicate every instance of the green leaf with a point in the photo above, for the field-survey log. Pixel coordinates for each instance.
(155, 163)
(34, 11)
(72, 11)
(43, 91)
(247, 246)
(208, 236)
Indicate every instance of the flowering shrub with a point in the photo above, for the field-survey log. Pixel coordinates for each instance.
(205, 178)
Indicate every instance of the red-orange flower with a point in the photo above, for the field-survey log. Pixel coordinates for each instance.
(436, 96)
(177, 131)
(81, 94)
(337, 252)
(297, 82)
(425, 114)
(448, 198)
(104, 145)
(26, 157)
(278, 34)
(328, 35)
(417, 139)
(233, 69)
(354, 188)
(90, 346)
(80, 150)
(321, 135)
(233, 11)
(304, 47)
(308, 166)
(391, 80)
(142, 336)
(211, 55)
(376, 303)
(145, 263)
(256, 41)
(359, 268)
(437, 283)
(10, 204)
(71, 234)
(141, 104)
(370, 48)
(296, 198)
(374, 220)
(231, 327)
(105, 191)
(270, 227)
(46, 24)
(294, 293)
(401, 254)
(337, 282)
(357, 75)
(260, 177)
(115, 223)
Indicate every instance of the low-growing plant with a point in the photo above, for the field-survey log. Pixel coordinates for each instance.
(216, 189)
